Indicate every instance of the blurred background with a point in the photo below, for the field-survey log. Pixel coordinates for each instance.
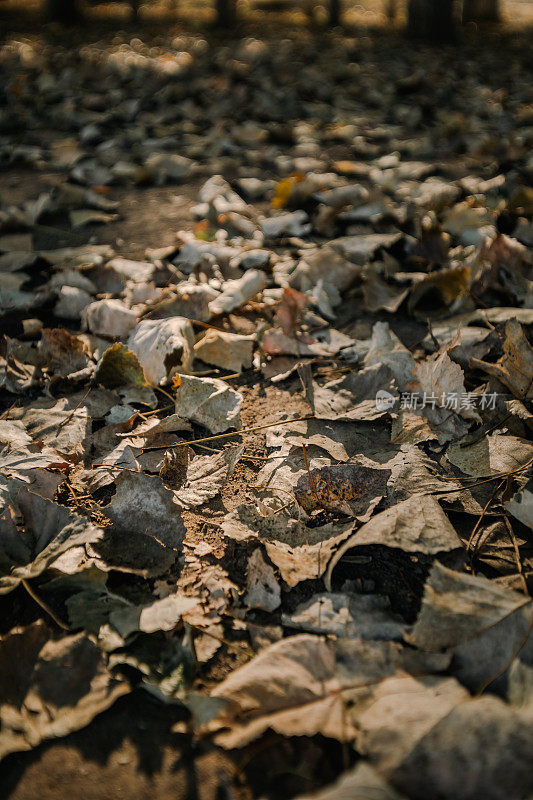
(514, 13)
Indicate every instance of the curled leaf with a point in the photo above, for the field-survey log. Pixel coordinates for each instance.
(119, 367)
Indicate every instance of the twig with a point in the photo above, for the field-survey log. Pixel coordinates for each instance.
(67, 420)
(282, 508)
(479, 521)
(159, 389)
(311, 479)
(487, 322)
(156, 411)
(409, 588)
(45, 607)
(480, 483)
(71, 490)
(485, 433)
(207, 325)
(5, 414)
(209, 449)
(117, 466)
(434, 339)
(238, 374)
(517, 554)
(234, 433)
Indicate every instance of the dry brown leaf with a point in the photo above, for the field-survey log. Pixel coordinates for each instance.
(262, 587)
(163, 347)
(417, 525)
(231, 351)
(345, 488)
(50, 688)
(515, 367)
(303, 700)
(289, 312)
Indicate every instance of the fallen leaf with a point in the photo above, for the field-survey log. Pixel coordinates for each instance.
(161, 615)
(404, 710)
(485, 625)
(208, 402)
(361, 249)
(237, 292)
(109, 318)
(417, 525)
(88, 216)
(62, 352)
(301, 701)
(49, 531)
(230, 351)
(379, 295)
(284, 189)
(426, 729)
(439, 378)
(147, 530)
(13, 433)
(515, 368)
(293, 223)
(187, 299)
(360, 783)
(521, 505)
(490, 455)
(354, 396)
(289, 312)
(205, 476)
(386, 349)
(440, 290)
(163, 347)
(262, 587)
(49, 688)
(55, 424)
(345, 488)
(118, 367)
(347, 616)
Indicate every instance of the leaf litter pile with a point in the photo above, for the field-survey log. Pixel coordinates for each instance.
(275, 468)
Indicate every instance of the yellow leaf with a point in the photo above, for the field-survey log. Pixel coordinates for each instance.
(284, 189)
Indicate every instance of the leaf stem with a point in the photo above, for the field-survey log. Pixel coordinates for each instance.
(40, 602)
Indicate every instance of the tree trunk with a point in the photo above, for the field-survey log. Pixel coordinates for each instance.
(226, 13)
(65, 11)
(334, 12)
(431, 19)
(481, 11)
